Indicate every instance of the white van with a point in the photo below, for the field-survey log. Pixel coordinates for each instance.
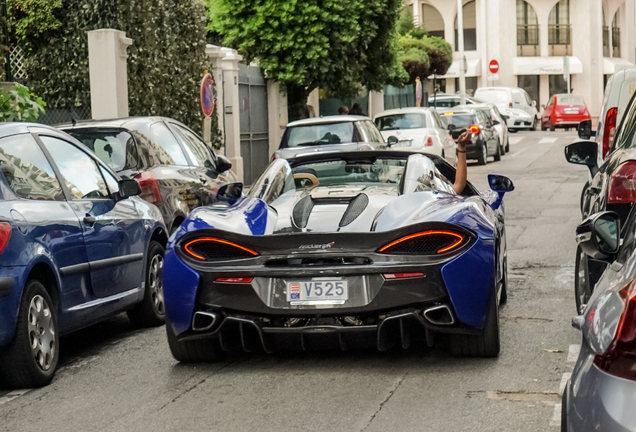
(511, 98)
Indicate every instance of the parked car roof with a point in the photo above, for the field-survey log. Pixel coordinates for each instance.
(403, 110)
(328, 119)
(128, 122)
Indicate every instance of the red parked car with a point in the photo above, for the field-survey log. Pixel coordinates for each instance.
(564, 111)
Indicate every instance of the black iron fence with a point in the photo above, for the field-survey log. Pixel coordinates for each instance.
(527, 40)
(560, 39)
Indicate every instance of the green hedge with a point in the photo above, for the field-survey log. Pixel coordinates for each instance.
(165, 63)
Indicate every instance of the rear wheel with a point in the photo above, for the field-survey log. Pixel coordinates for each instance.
(582, 289)
(31, 358)
(550, 125)
(507, 145)
(151, 312)
(194, 351)
(534, 124)
(543, 128)
(498, 154)
(485, 344)
(483, 157)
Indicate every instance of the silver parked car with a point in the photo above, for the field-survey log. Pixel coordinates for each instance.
(331, 133)
(601, 394)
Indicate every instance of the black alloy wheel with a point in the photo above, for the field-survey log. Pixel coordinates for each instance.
(483, 157)
(30, 360)
(498, 154)
(151, 311)
(582, 289)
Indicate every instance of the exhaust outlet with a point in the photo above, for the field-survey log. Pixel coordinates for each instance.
(439, 315)
(203, 321)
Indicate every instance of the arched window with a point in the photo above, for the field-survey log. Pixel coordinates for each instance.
(559, 31)
(527, 30)
(470, 27)
(432, 20)
(616, 37)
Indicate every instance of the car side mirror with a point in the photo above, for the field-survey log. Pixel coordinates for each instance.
(583, 153)
(128, 188)
(451, 127)
(505, 117)
(392, 140)
(534, 104)
(223, 164)
(585, 130)
(599, 236)
(230, 192)
(496, 122)
(499, 184)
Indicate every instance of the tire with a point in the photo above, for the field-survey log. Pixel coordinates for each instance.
(194, 351)
(534, 124)
(582, 289)
(151, 311)
(543, 128)
(507, 145)
(564, 411)
(483, 157)
(513, 130)
(498, 154)
(504, 288)
(485, 344)
(550, 125)
(25, 366)
(583, 194)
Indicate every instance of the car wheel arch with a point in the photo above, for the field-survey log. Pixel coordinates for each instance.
(43, 272)
(176, 223)
(160, 236)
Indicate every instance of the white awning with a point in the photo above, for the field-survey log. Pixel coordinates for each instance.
(473, 69)
(545, 65)
(612, 65)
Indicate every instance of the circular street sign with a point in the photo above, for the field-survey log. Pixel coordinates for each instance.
(493, 66)
(207, 95)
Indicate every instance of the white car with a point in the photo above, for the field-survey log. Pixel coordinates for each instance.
(420, 130)
(442, 101)
(511, 98)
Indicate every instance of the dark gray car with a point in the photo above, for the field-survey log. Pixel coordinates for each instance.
(174, 167)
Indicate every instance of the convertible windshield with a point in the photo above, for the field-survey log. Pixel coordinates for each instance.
(320, 134)
(343, 172)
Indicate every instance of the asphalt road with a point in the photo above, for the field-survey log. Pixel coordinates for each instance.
(115, 378)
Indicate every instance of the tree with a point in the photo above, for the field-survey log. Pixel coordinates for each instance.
(339, 46)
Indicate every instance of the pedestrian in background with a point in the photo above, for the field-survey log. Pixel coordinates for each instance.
(356, 109)
(343, 110)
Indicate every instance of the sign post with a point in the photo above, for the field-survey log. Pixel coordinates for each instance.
(493, 69)
(460, 49)
(207, 105)
(566, 72)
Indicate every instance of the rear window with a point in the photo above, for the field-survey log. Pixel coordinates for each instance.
(494, 96)
(319, 134)
(459, 120)
(401, 121)
(114, 148)
(569, 100)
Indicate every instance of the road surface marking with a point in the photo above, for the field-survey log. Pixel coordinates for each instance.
(573, 354)
(515, 140)
(564, 381)
(547, 140)
(519, 152)
(556, 416)
(13, 395)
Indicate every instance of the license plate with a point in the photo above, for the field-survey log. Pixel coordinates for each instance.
(571, 110)
(324, 291)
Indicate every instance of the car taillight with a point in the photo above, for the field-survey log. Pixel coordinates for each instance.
(149, 187)
(5, 235)
(609, 129)
(393, 276)
(622, 185)
(215, 249)
(474, 129)
(235, 280)
(510, 105)
(274, 157)
(620, 357)
(429, 142)
(424, 243)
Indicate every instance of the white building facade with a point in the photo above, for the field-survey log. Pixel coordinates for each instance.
(529, 39)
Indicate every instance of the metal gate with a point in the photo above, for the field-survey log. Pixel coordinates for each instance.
(254, 123)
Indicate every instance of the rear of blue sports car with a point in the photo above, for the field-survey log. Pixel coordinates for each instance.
(309, 291)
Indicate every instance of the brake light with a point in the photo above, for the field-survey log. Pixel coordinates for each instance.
(392, 276)
(620, 357)
(235, 280)
(510, 105)
(274, 157)
(429, 142)
(215, 249)
(149, 187)
(474, 129)
(622, 186)
(5, 235)
(424, 243)
(609, 129)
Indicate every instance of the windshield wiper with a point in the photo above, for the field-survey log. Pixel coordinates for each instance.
(315, 143)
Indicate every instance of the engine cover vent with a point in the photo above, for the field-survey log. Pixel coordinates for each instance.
(302, 211)
(355, 209)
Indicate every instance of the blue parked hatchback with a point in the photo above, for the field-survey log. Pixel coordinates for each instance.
(76, 247)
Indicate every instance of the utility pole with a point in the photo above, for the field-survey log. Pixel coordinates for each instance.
(460, 45)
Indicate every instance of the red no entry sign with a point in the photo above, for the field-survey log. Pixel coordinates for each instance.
(493, 66)
(207, 95)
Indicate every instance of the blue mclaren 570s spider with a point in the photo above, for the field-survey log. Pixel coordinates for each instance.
(340, 250)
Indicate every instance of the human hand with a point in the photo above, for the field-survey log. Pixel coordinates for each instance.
(463, 140)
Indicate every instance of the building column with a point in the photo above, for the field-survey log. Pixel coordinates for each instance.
(628, 30)
(107, 60)
(277, 114)
(215, 55)
(417, 7)
(231, 109)
(544, 91)
(376, 103)
(313, 103)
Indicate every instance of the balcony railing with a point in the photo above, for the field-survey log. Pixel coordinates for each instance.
(560, 39)
(527, 40)
(606, 49)
(616, 42)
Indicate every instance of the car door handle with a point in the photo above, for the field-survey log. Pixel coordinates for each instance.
(88, 219)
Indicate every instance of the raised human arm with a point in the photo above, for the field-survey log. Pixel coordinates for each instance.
(461, 172)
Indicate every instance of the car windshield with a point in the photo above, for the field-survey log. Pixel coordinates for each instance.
(459, 120)
(494, 96)
(109, 146)
(341, 172)
(320, 134)
(569, 100)
(401, 121)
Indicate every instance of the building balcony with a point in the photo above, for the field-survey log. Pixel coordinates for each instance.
(527, 40)
(560, 39)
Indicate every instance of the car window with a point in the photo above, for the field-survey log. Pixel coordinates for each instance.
(373, 132)
(116, 148)
(438, 120)
(198, 151)
(486, 118)
(26, 169)
(569, 100)
(528, 100)
(319, 134)
(79, 171)
(111, 182)
(550, 102)
(459, 120)
(401, 121)
(169, 150)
